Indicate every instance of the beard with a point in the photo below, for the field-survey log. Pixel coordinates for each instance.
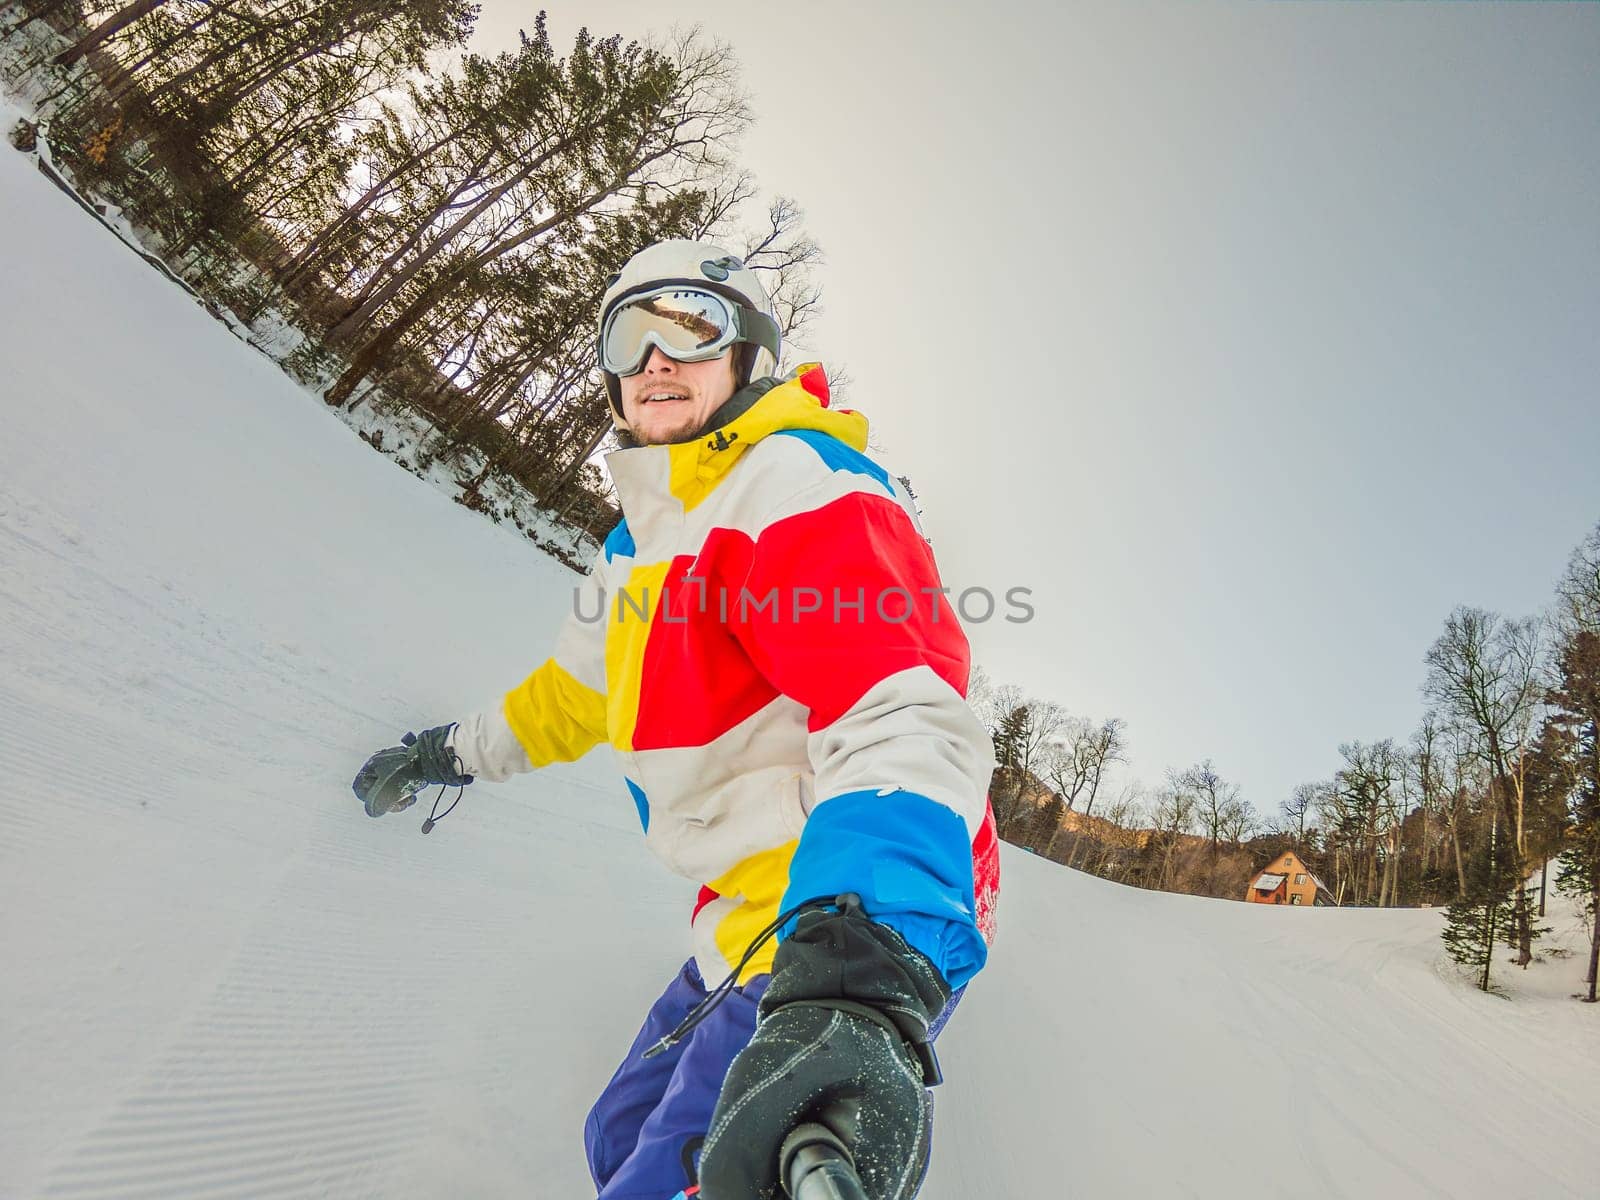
(683, 429)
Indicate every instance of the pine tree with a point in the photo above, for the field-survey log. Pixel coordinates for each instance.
(1011, 735)
(1576, 722)
(1482, 914)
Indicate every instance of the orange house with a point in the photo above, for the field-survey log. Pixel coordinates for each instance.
(1285, 880)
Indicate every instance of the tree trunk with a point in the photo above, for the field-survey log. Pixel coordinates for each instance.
(372, 297)
(42, 14)
(106, 30)
(236, 90)
(1072, 855)
(299, 264)
(119, 80)
(1524, 919)
(1488, 949)
(1372, 870)
(1594, 940)
(288, 136)
(299, 51)
(1050, 842)
(177, 82)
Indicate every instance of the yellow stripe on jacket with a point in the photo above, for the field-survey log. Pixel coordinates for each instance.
(555, 717)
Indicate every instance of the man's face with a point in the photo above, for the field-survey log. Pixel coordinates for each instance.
(669, 401)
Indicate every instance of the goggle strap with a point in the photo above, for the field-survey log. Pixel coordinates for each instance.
(758, 328)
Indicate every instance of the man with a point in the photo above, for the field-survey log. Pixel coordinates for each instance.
(764, 642)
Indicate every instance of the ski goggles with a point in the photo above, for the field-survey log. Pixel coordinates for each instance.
(688, 324)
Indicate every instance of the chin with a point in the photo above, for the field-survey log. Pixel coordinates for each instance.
(663, 437)
(678, 427)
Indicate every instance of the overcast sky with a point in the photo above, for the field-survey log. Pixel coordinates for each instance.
(1280, 328)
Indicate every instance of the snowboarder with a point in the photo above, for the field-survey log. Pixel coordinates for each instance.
(765, 643)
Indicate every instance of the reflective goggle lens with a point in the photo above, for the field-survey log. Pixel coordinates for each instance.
(688, 325)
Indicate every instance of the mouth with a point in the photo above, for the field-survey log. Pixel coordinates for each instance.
(664, 397)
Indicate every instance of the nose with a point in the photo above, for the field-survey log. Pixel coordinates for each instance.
(658, 362)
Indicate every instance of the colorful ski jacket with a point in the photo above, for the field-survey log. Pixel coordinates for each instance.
(764, 642)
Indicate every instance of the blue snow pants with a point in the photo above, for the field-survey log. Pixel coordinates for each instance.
(655, 1108)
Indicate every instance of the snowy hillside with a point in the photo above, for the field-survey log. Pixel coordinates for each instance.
(222, 980)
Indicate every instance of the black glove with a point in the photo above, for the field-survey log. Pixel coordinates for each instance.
(389, 781)
(842, 1040)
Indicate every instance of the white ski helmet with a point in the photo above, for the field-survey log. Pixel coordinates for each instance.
(699, 265)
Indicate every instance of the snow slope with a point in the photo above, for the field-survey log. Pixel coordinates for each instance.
(222, 980)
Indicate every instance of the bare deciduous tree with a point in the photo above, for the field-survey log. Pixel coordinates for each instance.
(1302, 802)
(1484, 674)
(1578, 593)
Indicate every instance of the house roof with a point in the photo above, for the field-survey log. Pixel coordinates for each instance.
(1268, 883)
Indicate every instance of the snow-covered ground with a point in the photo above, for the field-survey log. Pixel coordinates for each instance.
(222, 980)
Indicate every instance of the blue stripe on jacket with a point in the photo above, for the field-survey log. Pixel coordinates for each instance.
(620, 541)
(909, 858)
(838, 456)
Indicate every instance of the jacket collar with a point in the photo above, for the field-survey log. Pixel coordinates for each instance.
(658, 484)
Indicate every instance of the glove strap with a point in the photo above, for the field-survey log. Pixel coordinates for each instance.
(439, 762)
